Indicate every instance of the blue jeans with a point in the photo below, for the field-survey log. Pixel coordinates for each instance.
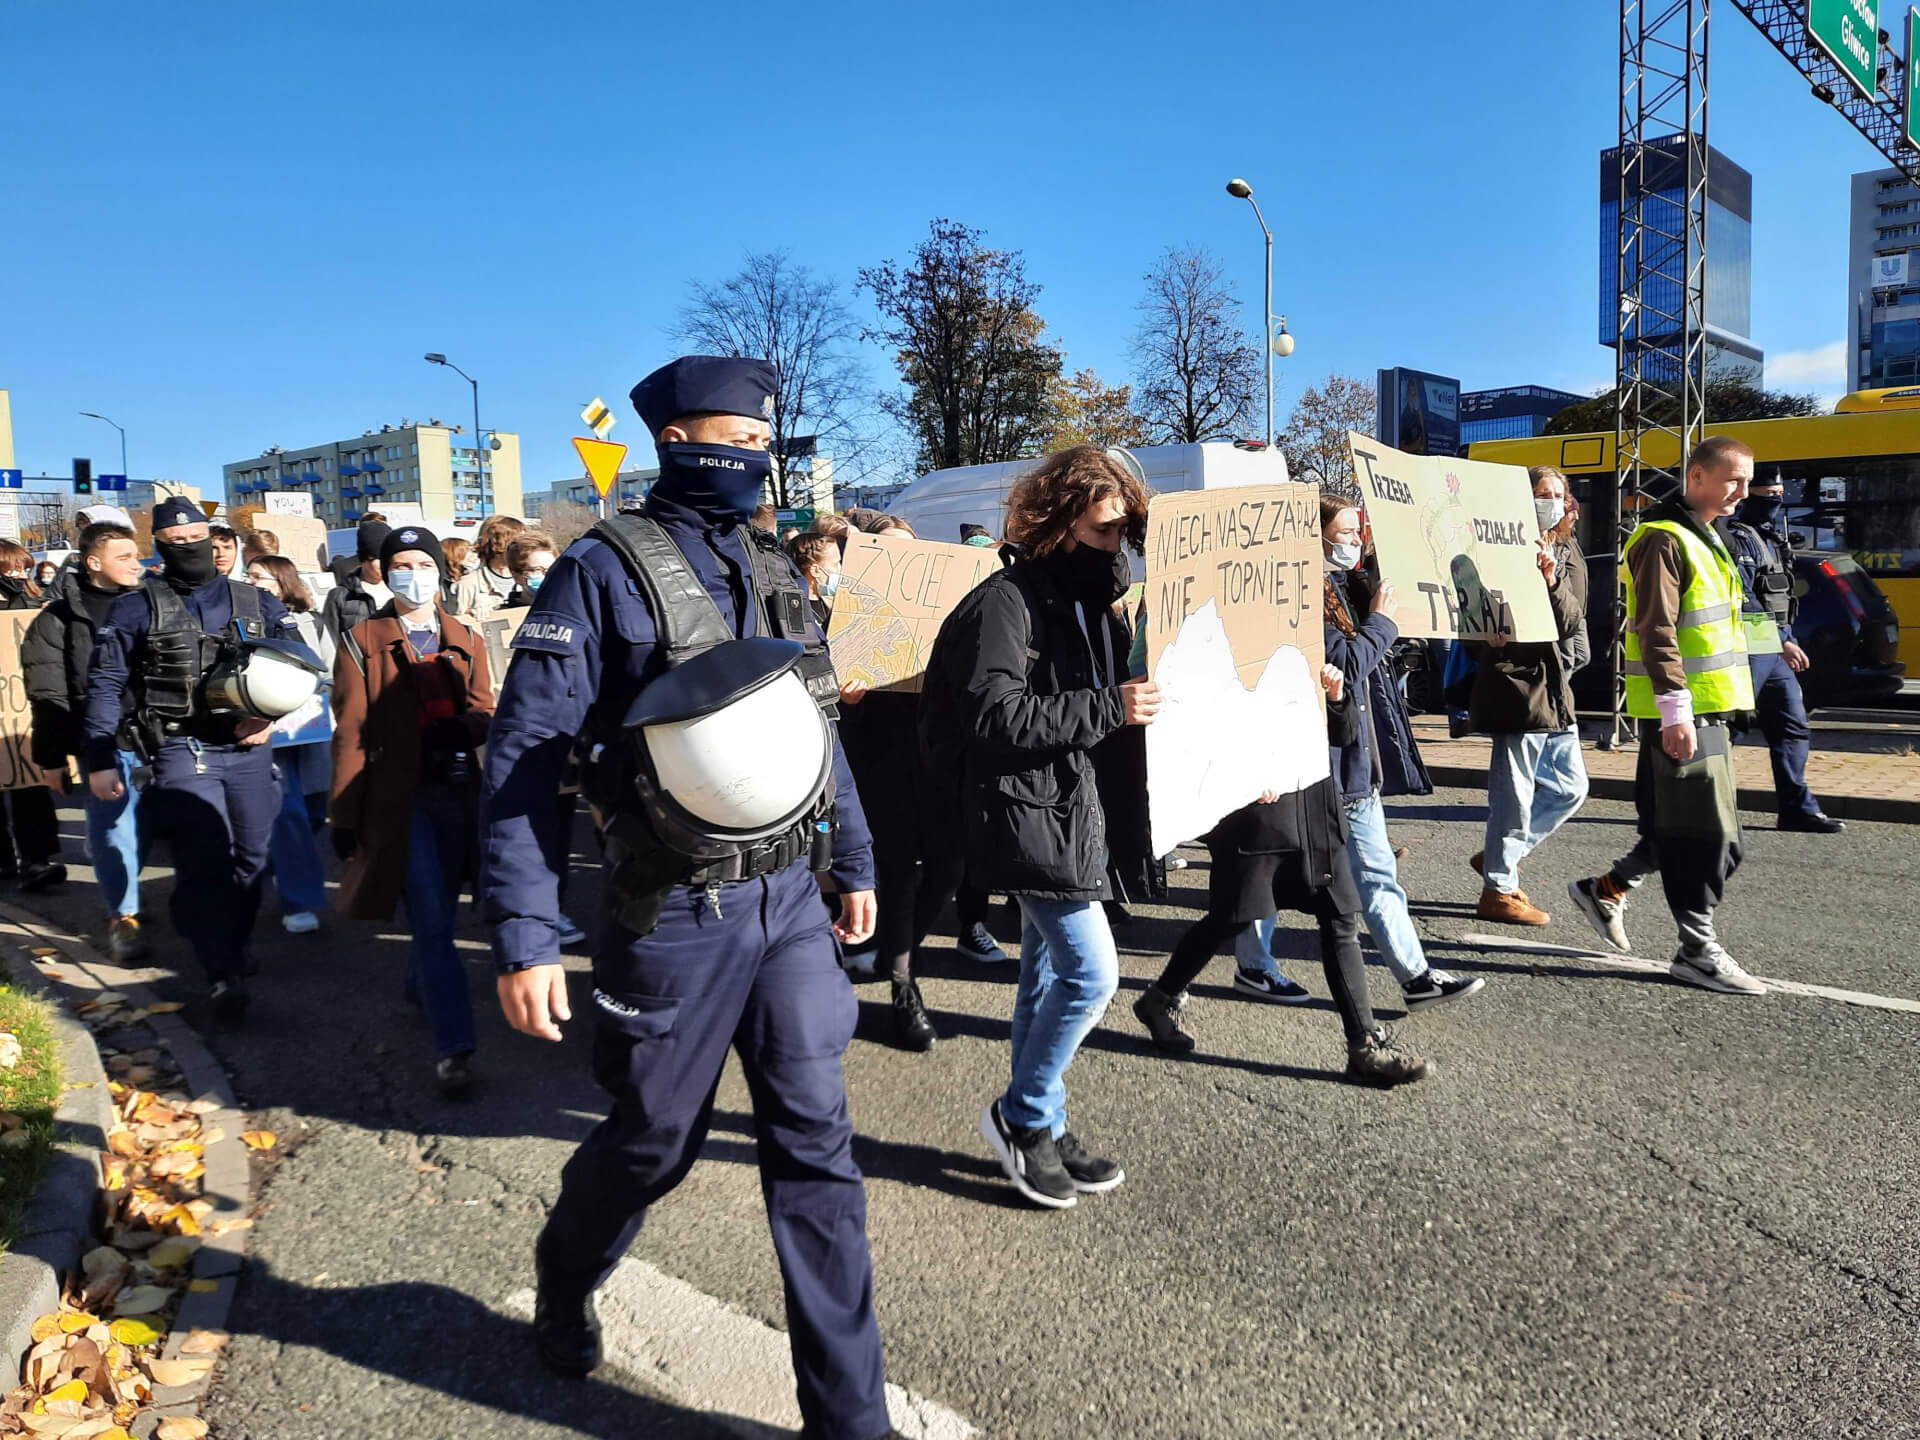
(296, 858)
(1069, 970)
(438, 846)
(113, 839)
(1535, 783)
(1382, 901)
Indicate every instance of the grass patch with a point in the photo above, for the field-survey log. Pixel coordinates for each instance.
(29, 1092)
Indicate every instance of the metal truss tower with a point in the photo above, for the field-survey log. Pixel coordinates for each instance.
(1660, 366)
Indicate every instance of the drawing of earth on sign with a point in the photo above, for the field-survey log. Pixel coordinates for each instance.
(877, 648)
(1217, 745)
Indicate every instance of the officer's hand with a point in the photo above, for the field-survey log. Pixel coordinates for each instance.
(1140, 701)
(1677, 741)
(253, 730)
(534, 998)
(105, 785)
(857, 913)
(56, 780)
(1796, 657)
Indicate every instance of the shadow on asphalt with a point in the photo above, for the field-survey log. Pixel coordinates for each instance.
(435, 1337)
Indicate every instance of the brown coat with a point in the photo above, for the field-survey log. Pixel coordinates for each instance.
(376, 750)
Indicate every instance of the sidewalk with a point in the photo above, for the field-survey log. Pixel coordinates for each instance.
(1852, 785)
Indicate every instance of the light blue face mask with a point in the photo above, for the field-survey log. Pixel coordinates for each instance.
(416, 587)
(828, 585)
(534, 580)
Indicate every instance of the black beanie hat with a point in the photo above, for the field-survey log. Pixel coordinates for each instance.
(409, 537)
(372, 536)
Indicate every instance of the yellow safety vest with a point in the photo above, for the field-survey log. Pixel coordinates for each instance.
(1763, 633)
(1711, 639)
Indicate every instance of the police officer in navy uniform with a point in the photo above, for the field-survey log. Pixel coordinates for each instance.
(694, 956)
(214, 794)
(1761, 546)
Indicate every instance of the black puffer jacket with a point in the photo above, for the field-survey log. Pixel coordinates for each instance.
(55, 653)
(1012, 709)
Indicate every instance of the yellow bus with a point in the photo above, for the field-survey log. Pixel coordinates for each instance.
(1852, 482)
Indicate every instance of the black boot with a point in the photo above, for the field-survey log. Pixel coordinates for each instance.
(1381, 1060)
(912, 1030)
(566, 1332)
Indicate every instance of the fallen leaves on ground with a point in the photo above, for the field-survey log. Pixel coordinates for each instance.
(259, 1139)
(94, 1362)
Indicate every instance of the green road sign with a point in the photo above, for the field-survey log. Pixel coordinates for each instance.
(1849, 31)
(1913, 79)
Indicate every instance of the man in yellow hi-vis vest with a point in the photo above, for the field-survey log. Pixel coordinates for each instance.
(1686, 678)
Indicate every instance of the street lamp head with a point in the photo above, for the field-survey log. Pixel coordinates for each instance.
(434, 357)
(1239, 189)
(91, 416)
(1282, 341)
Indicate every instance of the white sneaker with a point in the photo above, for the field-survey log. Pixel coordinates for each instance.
(1711, 968)
(300, 922)
(1608, 917)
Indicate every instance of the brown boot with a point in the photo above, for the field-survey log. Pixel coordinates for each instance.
(1478, 860)
(1514, 909)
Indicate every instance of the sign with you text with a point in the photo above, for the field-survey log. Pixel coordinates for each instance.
(1233, 616)
(1458, 540)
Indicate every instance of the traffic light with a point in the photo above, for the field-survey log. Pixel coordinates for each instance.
(82, 477)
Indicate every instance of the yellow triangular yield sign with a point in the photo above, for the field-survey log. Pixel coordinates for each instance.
(602, 459)
(212, 507)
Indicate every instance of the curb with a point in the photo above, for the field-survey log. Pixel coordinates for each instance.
(59, 1219)
(227, 1182)
(1615, 787)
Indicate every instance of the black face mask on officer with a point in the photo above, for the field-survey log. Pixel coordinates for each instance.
(190, 562)
(721, 481)
(1762, 509)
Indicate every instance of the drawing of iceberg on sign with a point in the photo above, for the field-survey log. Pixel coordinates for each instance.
(1217, 745)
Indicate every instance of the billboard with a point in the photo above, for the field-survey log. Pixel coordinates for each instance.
(1419, 413)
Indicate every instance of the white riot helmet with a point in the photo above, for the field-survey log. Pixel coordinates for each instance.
(264, 678)
(732, 748)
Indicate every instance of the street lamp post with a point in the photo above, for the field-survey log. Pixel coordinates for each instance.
(1274, 344)
(434, 357)
(123, 436)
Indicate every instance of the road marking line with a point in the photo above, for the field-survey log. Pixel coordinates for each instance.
(702, 1353)
(1655, 967)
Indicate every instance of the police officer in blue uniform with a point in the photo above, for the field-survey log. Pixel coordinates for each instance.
(1758, 538)
(696, 955)
(214, 795)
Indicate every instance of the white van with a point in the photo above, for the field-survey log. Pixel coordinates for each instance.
(937, 505)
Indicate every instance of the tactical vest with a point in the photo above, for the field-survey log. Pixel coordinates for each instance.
(1712, 644)
(179, 653)
(687, 623)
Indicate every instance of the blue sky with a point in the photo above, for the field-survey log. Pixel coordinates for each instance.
(230, 227)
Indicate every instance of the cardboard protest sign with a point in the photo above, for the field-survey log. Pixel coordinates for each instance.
(1459, 541)
(17, 770)
(1234, 617)
(498, 631)
(894, 593)
(303, 539)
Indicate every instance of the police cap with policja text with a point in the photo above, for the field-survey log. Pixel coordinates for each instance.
(704, 385)
(174, 510)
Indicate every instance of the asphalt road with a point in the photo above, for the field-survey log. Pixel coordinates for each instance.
(1621, 1206)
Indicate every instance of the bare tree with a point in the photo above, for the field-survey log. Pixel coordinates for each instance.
(1316, 440)
(970, 349)
(777, 311)
(566, 521)
(1195, 372)
(1088, 411)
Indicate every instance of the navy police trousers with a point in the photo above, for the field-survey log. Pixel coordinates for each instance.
(1783, 720)
(761, 978)
(215, 805)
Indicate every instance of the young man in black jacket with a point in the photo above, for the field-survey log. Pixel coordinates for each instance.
(55, 653)
(1027, 679)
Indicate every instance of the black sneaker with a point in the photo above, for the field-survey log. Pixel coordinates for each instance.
(566, 1332)
(1091, 1175)
(230, 1001)
(976, 942)
(1262, 986)
(1379, 1060)
(912, 1030)
(453, 1077)
(1436, 987)
(41, 876)
(1814, 824)
(1031, 1160)
(1160, 1013)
